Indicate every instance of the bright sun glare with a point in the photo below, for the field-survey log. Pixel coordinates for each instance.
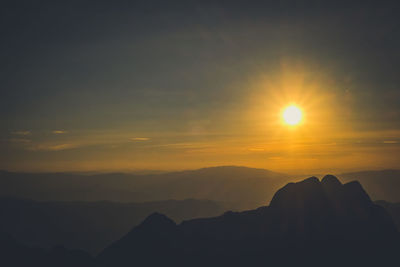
(292, 115)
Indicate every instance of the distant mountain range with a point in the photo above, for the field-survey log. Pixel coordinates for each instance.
(308, 223)
(380, 185)
(246, 187)
(242, 187)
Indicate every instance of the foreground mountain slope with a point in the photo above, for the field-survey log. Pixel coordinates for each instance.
(393, 209)
(15, 254)
(314, 222)
(89, 226)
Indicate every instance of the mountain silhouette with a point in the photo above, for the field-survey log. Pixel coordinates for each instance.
(90, 226)
(393, 209)
(308, 223)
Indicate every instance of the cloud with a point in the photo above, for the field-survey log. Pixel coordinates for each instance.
(57, 147)
(189, 147)
(19, 140)
(181, 145)
(140, 139)
(23, 133)
(390, 142)
(59, 132)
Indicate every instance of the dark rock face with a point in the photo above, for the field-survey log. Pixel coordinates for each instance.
(393, 209)
(306, 223)
(157, 233)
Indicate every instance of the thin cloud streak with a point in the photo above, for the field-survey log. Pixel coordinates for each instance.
(140, 139)
(59, 132)
(390, 142)
(57, 147)
(19, 140)
(23, 133)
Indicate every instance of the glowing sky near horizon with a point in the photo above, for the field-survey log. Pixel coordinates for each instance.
(125, 86)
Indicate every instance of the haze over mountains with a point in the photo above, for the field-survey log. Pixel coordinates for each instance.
(245, 187)
(381, 185)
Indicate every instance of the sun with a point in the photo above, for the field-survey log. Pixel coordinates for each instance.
(292, 115)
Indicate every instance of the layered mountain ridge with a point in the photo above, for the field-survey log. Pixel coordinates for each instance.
(311, 215)
(308, 223)
(246, 188)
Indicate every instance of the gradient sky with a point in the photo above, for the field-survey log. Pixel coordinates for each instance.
(128, 85)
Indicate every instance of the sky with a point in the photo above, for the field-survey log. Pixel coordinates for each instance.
(170, 85)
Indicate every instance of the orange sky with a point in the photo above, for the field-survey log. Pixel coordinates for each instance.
(250, 133)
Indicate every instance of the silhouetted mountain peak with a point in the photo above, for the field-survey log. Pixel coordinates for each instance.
(155, 225)
(331, 180)
(355, 187)
(158, 220)
(355, 193)
(303, 193)
(312, 179)
(332, 186)
(320, 204)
